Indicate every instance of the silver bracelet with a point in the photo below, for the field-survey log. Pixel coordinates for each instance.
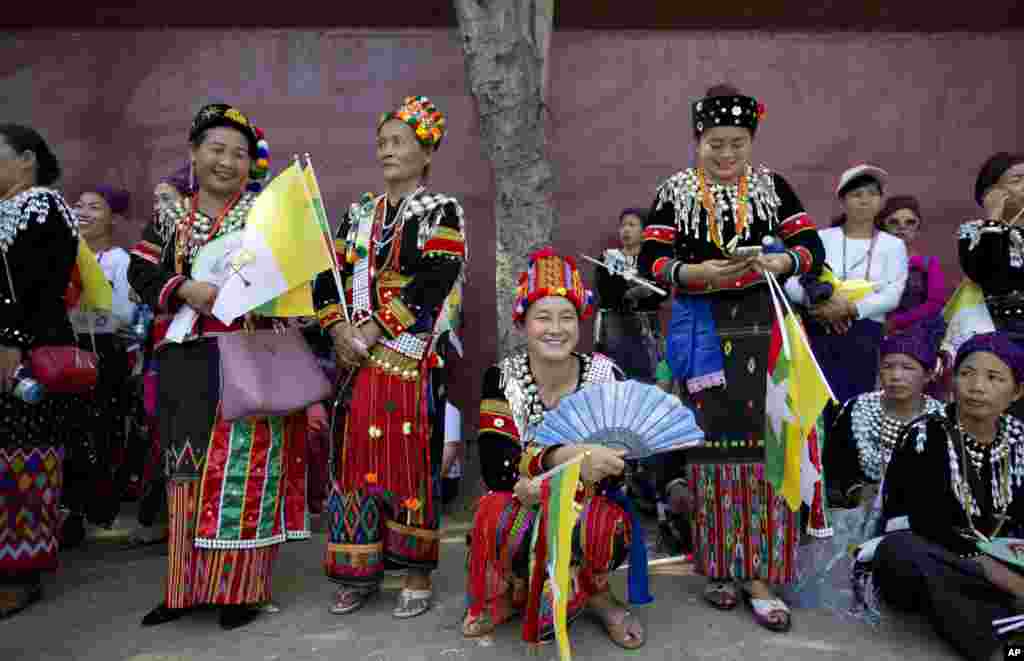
(678, 271)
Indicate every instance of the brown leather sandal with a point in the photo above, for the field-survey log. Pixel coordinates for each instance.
(619, 632)
(477, 627)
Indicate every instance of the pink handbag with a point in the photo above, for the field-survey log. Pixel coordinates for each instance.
(268, 372)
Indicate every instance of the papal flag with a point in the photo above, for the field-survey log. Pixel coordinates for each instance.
(966, 314)
(283, 250)
(89, 288)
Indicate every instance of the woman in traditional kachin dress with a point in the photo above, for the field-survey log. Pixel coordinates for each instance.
(970, 460)
(38, 246)
(402, 254)
(864, 435)
(992, 249)
(550, 302)
(236, 490)
(168, 193)
(94, 480)
(743, 531)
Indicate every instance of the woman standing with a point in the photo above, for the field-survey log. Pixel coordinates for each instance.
(38, 247)
(551, 301)
(925, 292)
(95, 482)
(743, 531)
(947, 485)
(402, 254)
(845, 335)
(628, 329)
(222, 545)
(169, 193)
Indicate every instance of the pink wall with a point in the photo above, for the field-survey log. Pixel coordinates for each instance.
(116, 107)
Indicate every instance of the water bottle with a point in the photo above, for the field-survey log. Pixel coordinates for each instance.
(140, 324)
(26, 388)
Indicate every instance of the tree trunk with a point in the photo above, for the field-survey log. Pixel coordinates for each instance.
(506, 44)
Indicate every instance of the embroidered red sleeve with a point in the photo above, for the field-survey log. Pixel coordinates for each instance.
(496, 418)
(805, 260)
(799, 222)
(168, 290)
(660, 234)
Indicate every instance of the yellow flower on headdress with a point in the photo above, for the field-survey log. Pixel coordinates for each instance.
(236, 116)
(561, 291)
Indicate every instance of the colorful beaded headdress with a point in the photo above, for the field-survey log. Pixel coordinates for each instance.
(221, 114)
(550, 274)
(733, 110)
(422, 116)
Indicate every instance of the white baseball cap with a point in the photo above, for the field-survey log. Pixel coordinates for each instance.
(864, 169)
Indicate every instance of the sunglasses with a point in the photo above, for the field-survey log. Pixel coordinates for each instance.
(902, 222)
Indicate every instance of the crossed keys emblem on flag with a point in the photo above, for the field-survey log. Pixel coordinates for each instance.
(240, 259)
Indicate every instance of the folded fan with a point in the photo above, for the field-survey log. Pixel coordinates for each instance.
(637, 417)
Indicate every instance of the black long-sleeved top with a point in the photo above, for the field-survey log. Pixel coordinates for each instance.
(503, 456)
(677, 230)
(856, 451)
(154, 272)
(39, 242)
(431, 255)
(919, 484)
(992, 255)
(611, 294)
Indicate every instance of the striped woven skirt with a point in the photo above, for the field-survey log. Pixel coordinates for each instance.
(210, 576)
(742, 529)
(499, 556)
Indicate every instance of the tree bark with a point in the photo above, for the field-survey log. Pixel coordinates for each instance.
(506, 43)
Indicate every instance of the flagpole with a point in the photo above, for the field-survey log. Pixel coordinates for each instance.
(335, 269)
(806, 341)
(770, 277)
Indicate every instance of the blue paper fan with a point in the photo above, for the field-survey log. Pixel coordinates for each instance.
(1007, 549)
(629, 415)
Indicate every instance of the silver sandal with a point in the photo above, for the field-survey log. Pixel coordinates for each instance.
(412, 603)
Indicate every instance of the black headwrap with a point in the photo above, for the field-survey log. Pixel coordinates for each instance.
(221, 114)
(733, 110)
(990, 172)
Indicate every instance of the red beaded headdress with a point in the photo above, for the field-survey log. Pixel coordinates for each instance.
(550, 274)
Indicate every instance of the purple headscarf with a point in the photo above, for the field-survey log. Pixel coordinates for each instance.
(920, 342)
(998, 343)
(179, 179)
(118, 199)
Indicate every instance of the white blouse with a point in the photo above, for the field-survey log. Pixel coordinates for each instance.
(114, 263)
(889, 264)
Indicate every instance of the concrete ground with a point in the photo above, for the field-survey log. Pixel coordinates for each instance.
(92, 607)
